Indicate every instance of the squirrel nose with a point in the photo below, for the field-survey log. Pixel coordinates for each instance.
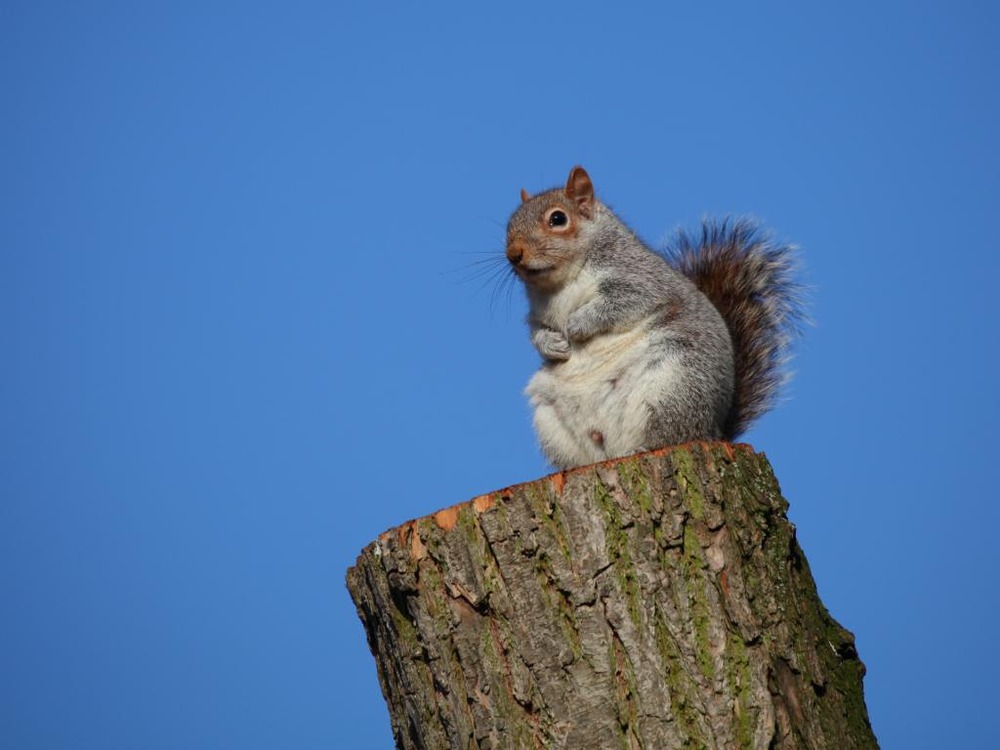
(515, 251)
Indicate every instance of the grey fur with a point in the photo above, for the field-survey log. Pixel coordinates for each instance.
(635, 356)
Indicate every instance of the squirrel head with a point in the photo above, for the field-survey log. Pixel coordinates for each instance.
(547, 234)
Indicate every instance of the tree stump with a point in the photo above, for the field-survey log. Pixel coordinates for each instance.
(657, 601)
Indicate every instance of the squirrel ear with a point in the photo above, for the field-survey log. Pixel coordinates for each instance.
(580, 190)
(525, 196)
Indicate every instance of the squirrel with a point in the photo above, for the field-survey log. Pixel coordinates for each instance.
(642, 349)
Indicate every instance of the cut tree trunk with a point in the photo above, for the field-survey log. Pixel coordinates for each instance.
(657, 601)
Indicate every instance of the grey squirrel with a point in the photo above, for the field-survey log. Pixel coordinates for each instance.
(642, 350)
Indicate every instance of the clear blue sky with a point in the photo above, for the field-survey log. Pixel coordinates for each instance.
(240, 339)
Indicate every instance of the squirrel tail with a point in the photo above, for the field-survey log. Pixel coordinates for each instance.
(751, 280)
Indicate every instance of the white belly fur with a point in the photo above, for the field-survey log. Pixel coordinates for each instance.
(596, 404)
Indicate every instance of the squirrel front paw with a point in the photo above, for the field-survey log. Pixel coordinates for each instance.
(581, 325)
(551, 344)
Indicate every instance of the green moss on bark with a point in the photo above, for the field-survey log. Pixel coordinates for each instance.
(619, 551)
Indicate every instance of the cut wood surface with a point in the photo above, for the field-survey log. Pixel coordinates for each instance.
(656, 601)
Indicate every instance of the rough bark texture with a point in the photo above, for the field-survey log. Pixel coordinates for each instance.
(657, 601)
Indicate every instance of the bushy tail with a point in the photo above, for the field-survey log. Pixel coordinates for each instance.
(750, 279)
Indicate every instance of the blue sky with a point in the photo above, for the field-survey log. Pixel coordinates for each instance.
(242, 332)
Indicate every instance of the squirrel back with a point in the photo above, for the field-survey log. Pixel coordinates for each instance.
(643, 349)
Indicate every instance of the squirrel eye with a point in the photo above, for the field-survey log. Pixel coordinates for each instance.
(558, 219)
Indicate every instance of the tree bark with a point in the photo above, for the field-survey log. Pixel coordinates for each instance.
(657, 601)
